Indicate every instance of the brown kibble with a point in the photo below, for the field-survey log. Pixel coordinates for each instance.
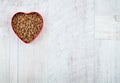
(27, 26)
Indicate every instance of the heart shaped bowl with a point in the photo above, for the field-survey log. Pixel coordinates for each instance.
(27, 14)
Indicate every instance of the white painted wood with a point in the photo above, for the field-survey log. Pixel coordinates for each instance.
(66, 51)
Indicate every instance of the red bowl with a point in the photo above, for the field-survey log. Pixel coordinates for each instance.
(28, 13)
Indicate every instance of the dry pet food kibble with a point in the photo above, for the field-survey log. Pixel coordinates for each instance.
(27, 26)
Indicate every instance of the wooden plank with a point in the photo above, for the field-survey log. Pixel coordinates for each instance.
(9, 45)
(71, 42)
(4, 49)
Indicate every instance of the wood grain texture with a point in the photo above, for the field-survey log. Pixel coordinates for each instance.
(65, 51)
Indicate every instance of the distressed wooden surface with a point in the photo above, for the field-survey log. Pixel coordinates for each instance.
(66, 50)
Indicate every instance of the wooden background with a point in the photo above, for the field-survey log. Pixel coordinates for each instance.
(66, 51)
